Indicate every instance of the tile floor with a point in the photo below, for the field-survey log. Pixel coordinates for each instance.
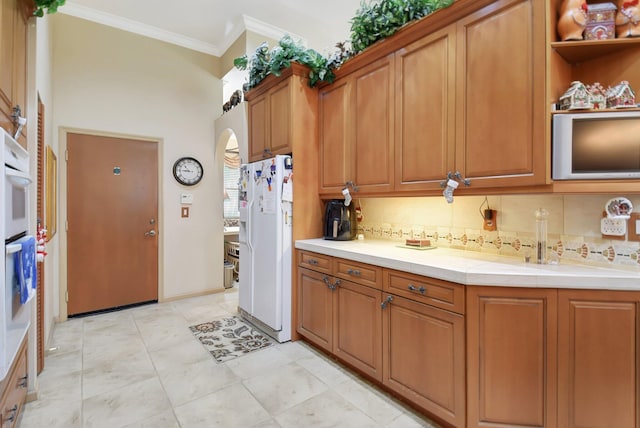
(142, 367)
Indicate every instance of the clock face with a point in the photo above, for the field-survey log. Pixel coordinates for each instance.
(188, 171)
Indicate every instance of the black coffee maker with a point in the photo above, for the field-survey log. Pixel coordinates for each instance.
(339, 221)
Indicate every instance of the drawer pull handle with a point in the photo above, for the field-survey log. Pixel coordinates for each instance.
(388, 300)
(354, 272)
(313, 262)
(414, 288)
(23, 381)
(331, 286)
(13, 412)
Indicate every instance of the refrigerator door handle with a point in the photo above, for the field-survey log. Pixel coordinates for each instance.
(249, 227)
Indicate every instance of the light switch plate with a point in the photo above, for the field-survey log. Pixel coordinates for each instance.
(186, 198)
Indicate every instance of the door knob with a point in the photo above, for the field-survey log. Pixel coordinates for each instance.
(150, 233)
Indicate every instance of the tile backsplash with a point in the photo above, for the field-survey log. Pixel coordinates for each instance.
(573, 226)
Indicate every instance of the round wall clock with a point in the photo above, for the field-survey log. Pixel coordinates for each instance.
(188, 171)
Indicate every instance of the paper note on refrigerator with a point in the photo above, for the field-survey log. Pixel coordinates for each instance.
(268, 198)
(287, 190)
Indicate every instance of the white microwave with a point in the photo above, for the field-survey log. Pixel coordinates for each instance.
(596, 145)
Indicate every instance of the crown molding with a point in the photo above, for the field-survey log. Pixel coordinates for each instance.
(268, 30)
(83, 12)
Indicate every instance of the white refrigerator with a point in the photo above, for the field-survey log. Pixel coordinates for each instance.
(265, 240)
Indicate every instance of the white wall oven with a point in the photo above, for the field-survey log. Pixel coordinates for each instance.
(18, 270)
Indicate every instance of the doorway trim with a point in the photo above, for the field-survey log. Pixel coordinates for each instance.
(62, 208)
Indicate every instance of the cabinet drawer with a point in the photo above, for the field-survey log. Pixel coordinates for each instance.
(434, 292)
(16, 390)
(314, 261)
(360, 273)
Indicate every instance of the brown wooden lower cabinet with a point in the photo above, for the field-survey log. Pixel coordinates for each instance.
(13, 389)
(343, 318)
(564, 358)
(357, 327)
(598, 345)
(315, 308)
(511, 357)
(424, 361)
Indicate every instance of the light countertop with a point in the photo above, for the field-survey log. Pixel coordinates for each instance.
(231, 230)
(475, 268)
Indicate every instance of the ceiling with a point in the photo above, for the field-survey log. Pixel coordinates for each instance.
(211, 26)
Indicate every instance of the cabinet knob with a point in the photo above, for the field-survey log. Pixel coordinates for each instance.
(312, 262)
(12, 412)
(23, 381)
(386, 302)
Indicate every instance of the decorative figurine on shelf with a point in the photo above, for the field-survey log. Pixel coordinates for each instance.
(621, 96)
(598, 96)
(628, 18)
(577, 97)
(572, 20)
(601, 18)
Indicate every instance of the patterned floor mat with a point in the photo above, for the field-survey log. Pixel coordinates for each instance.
(228, 338)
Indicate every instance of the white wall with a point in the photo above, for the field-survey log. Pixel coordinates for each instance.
(110, 81)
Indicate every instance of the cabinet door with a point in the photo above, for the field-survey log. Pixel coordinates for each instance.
(373, 121)
(423, 357)
(501, 127)
(258, 119)
(511, 357)
(8, 16)
(280, 119)
(335, 155)
(425, 111)
(315, 308)
(13, 399)
(598, 359)
(358, 327)
(20, 65)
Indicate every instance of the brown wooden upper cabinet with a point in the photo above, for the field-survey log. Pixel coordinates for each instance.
(468, 97)
(425, 111)
(14, 16)
(275, 117)
(500, 102)
(356, 130)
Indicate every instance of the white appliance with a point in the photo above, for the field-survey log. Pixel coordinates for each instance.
(15, 311)
(265, 235)
(596, 145)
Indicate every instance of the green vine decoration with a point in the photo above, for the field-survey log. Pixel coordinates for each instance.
(378, 20)
(264, 62)
(50, 5)
(374, 21)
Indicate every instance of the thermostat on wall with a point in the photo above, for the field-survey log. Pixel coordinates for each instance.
(186, 198)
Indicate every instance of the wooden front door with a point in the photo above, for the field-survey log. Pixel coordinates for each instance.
(112, 212)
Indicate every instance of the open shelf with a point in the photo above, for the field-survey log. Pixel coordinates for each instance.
(578, 51)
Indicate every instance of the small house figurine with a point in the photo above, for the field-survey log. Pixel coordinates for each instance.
(621, 96)
(577, 97)
(598, 96)
(601, 23)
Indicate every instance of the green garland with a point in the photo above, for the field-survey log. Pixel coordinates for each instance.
(374, 21)
(50, 5)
